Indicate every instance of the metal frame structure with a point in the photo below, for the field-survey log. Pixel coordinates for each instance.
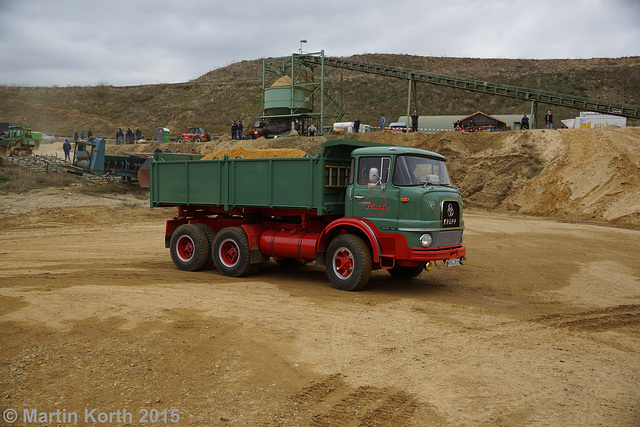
(534, 95)
(306, 76)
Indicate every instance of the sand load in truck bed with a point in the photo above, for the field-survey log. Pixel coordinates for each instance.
(256, 153)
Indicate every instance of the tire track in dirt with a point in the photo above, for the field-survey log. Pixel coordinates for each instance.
(621, 316)
(333, 401)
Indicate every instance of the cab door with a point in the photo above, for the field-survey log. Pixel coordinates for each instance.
(370, 194)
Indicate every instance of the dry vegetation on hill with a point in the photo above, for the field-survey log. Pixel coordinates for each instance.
(234, 93)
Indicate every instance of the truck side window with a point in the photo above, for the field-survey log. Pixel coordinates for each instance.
(366, 164)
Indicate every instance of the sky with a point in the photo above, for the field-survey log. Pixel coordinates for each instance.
(133, 42)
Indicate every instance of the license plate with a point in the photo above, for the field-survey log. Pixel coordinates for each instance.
(452, 262)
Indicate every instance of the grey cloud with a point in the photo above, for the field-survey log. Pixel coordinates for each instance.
(140, 42)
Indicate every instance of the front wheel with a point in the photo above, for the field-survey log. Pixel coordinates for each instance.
(348, 262)
(231, 253)
(179, 139)
(190, 249)
(197, 139)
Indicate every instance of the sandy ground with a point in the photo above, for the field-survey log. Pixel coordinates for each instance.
(540, 327)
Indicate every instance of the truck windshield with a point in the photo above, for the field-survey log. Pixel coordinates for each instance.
(416, 170)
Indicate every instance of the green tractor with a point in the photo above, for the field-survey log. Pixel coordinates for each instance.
(18, 141)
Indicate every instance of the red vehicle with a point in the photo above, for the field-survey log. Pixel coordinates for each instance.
(255, 132)
(194, 134)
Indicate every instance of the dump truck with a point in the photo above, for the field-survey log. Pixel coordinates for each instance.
(355, 207)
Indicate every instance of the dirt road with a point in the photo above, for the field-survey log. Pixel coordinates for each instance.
(541, 327)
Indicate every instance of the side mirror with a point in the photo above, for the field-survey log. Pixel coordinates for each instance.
(374, 176)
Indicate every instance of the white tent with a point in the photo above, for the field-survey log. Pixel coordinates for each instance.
(590, 120)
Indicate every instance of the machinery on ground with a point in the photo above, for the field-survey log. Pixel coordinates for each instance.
(194, 134)
(255, 131)
(90, 157)
(19, 141)
(273, 128)
(355, 207)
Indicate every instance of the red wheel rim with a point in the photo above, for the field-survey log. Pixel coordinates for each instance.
(185, 248)
(343, 263)
(229, 253)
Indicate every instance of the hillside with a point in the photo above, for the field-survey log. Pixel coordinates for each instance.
(234, 93)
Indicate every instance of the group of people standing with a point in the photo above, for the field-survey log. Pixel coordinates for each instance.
(548, 120)
(77, 137)
(383, 121)
(128, 136)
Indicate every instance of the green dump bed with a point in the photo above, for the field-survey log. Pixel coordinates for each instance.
(314, 183)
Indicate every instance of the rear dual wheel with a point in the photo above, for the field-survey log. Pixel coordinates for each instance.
(231, 253)
(190, 247)
(210, 236)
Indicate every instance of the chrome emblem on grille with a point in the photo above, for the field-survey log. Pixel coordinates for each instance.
(450, 210)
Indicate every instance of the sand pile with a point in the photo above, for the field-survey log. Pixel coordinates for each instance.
(594, 175)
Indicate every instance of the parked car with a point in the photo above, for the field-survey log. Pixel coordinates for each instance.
(398, 126)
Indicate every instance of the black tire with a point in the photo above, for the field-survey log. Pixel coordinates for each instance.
(348, 262)
(406, 272)
(180, 139)
(231, 254)
(189, 247)
(197, 139)
(210, 236)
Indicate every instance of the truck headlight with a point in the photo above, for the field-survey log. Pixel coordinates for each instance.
(425, 240)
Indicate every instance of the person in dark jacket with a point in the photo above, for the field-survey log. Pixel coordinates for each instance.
(66, 146)
(119, 136)
(414, 121)
(524, 122)
(240, 129)
(234, 130)
(548, 119)
(356, 125)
